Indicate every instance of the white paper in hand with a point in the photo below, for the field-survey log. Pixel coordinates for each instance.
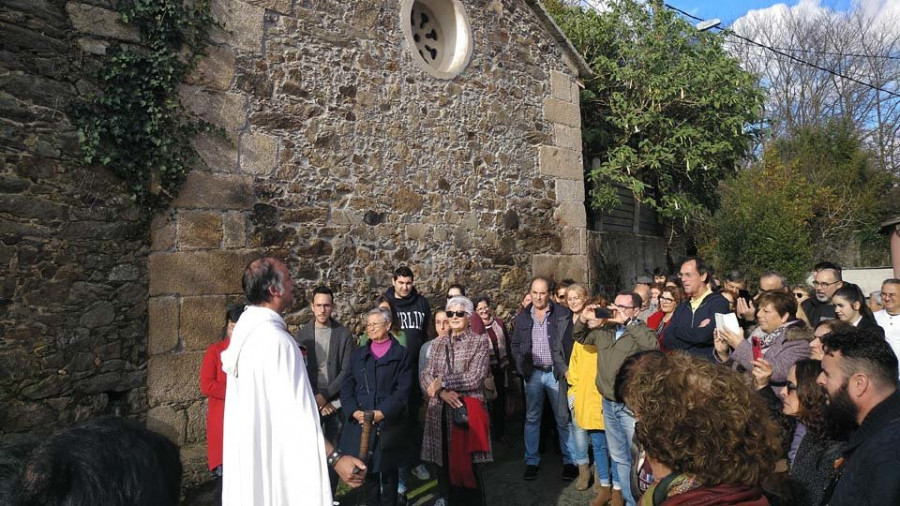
(728, 321)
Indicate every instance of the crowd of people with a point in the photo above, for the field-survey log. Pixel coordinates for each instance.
(790, 401)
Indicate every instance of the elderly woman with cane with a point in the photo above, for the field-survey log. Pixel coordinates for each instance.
(375, 394)
(457, 426)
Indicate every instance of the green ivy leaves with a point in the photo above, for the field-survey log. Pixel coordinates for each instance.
(134, 126)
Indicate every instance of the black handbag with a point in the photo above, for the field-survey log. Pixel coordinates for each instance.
(459, 416)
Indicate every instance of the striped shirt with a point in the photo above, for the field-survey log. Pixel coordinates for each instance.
(540, 339)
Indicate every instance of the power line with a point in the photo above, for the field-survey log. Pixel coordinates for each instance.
(787, 55)
(834, 53)
(779, 59)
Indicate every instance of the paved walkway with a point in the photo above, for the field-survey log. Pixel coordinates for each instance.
(503, 481)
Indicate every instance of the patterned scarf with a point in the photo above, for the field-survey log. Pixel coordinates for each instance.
(495, 332)
(766, 340)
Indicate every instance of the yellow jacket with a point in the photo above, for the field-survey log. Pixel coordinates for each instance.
(582, 384)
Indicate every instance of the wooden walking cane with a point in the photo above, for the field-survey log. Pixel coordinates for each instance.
(364, 439)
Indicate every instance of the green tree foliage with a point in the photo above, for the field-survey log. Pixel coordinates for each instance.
(813, 194)
(135, 126)
(669, 112)
(764, 221)
(854, 195)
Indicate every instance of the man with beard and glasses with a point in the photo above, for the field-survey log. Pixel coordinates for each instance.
(827, 279)
(859, 374)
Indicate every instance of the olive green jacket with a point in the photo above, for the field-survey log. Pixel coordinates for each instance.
(611, 352)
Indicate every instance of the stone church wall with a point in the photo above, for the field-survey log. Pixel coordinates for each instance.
(73, 251)
(340, 155)
(348, 160)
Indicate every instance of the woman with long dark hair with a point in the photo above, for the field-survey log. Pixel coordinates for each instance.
(850, 307)
(669, 299)
(813, 464)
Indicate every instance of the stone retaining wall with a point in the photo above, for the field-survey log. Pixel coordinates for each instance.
(73, 250)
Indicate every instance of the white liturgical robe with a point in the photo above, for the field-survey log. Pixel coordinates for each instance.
(273, 448)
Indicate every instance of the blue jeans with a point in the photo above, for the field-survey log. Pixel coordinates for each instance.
(598, 441)
(537, 386)
(619, 432)
(601, 459)
(579, 438)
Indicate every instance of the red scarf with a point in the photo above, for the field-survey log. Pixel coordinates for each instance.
(464, 442)
(719, 495)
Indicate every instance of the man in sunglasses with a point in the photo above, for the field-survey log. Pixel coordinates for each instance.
(826, 280)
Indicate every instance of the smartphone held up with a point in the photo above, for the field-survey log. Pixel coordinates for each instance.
(757, 348)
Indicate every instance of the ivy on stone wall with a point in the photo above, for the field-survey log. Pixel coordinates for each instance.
(134, 125)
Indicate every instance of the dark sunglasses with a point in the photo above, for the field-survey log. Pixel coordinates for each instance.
(790, 387)
(459, 314)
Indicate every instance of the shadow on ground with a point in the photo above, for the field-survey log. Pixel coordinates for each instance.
(503, 482)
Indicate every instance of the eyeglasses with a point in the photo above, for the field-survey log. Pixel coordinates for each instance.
(666, 299)
(822, 284)
(374, 325)
(457, 314)
(790, 387)
(888, 295)
(799, 295)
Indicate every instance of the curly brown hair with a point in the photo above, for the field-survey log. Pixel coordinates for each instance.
(703, 419)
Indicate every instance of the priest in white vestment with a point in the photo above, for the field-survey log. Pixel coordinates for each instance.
(274, 453)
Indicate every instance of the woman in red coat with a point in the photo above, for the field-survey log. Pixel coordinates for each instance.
(212, 384)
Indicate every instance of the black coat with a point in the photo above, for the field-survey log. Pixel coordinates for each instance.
(870, 325)
(871, 471)
(560, 331)
(383, 385)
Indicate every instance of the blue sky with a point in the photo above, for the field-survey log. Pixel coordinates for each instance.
(729, 10)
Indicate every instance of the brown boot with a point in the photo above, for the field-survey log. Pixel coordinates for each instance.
(604, 496)
(617, 498)
(596, 481)
(584, 477)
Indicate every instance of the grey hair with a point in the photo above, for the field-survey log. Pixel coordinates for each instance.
(383, 313)
(464, 302)
(876, 296)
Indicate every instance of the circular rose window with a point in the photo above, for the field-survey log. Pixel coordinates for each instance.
(438, 35)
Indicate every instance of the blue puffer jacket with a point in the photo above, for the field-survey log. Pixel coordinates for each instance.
(685, 331)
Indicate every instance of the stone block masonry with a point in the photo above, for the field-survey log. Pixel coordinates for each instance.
(73, 250)
(340, 154)
(347, 159)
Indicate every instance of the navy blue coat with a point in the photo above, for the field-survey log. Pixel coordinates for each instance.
(383, 385)
(684, 331)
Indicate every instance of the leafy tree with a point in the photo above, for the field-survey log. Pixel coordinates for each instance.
(854, 194)
(764, 221)
(814, 193)
(668, 112)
